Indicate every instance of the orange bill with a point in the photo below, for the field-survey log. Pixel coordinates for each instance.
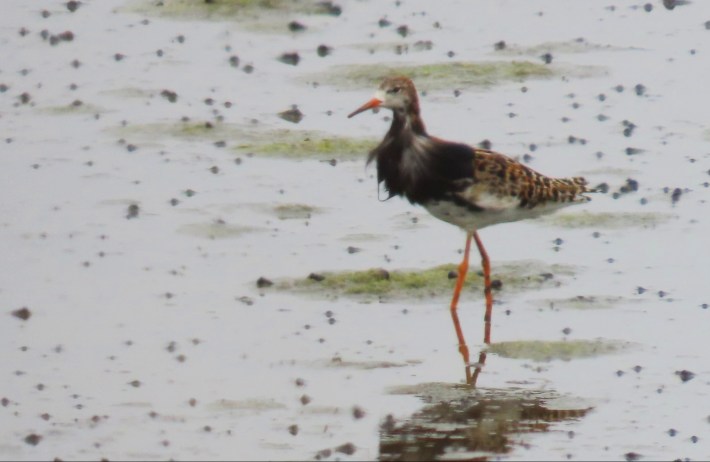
(373, 103)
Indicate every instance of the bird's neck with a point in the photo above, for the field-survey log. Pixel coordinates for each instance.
(406, 123)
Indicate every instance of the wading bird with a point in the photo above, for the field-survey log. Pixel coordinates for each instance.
(466, 186)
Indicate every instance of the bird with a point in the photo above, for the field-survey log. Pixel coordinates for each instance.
(463, 185)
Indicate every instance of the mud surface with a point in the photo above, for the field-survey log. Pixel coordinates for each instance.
(196, 264)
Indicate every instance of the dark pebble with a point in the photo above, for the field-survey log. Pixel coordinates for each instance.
(119, 56)
(214, 169)
(3, 88)
(295, 26)
(135, 383)
(305, 399)
(619, 88)
(293, 429)
(33, 439)
(637, 369)
(496, 284)
(263, 282)
(685, 375)
(73, 5)
(648, 7)
(358, 412)
(352, 249)
(453, 274)
(220, 144)
(133, 211)
(546, 58)
(632, 456)
(640, 290)
(566, 331)
(383, 22)
(248, 69)
(403, 30)
(293, 115)
(323, 454)
(707, 25)
(631, 185)
(485, 144)
(499, 45)
(316, 277)
(640, 89)
(672, 432)
(234, 61)
(290, 58)
(169, 95)
(675, 196)
(324, 50)
(45, 14)
(347, 448)
(450, 54)
(23, 313)
(602, 188)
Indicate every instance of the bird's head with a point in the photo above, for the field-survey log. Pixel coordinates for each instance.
(396, 93)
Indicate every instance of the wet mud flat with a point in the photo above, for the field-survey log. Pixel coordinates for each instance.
(196, 263)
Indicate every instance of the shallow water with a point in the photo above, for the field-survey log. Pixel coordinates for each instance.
(137, 247)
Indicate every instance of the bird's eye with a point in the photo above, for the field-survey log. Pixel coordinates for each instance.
(394, 91)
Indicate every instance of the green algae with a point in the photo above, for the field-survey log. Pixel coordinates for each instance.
(426, 283)
(230, 10)
(304, 145)
(538, 350)
(441, 75)
(290, 144)
(294, 211)
(607, 220)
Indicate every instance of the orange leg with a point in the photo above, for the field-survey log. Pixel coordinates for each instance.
(485, 262)
(463, 269)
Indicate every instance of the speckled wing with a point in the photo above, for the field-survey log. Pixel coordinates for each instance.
(500, 183)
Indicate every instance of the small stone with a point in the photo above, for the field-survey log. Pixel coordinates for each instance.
(496, 284)
(485, 144)
(293, 429)
(566, 331)
(546, 58)
(347, 448)
(263, 282)
(648, 7)
(135, 383)
(33, 439)
(640, 89)
(295, 26)
(214, 169)
(358, 412)
(289, 58)
(632, 456)
(383, 22)
(675, 196)
(498, 46)
(133, 211)
(323, 50)
(351, 249)
(73, 5)
(305, 399)
(672, 432)
(685, 375)
(316, 277)
(169, 95)
(23, 313)
(293, 115)
(403, 30)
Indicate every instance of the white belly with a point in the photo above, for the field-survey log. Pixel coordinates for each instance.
(472, 220)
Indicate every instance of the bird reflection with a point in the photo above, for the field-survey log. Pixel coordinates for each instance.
(471, 376)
